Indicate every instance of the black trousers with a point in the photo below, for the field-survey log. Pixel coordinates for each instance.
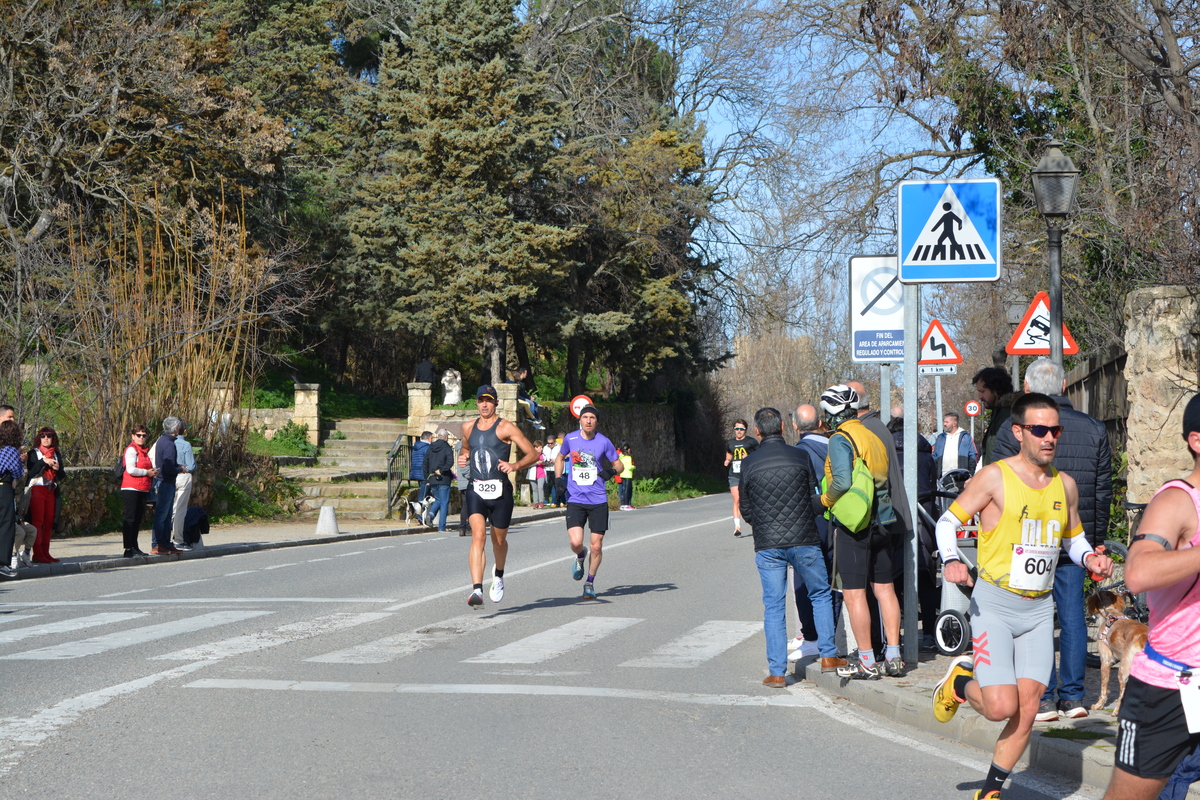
(135, 508)
(8, 522)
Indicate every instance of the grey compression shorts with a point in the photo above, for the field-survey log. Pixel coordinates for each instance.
(1012, 636)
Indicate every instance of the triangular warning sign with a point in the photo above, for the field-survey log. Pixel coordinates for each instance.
(949, 236)
(937, 347)
(1033, 334)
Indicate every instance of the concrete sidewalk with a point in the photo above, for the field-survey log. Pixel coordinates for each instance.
(86, 553)
(1076, 749)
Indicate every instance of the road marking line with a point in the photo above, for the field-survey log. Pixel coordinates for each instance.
(185, 583)
(315, 560)
(554, 642)
(355, 553)
(18, 734)
(391, 648)
(278, 566)
(101, 644)
(186, 601)
(510, 572)
(66, 626)
(698, 645)
(243, 572)
(251, 642)
(758, 701)
(131, 591)
(6, 618)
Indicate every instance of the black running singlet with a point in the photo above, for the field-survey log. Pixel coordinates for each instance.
(487, 451)
(739, 449)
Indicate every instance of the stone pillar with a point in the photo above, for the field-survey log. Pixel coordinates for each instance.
(1162, 342)
(308, 409)
(509, 410)
(420, 405)
(221, 398)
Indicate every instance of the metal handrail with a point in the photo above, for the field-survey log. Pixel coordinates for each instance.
(398, 464)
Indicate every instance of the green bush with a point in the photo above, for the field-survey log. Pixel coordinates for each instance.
(339, 435)
(270, 398)
(290, 440)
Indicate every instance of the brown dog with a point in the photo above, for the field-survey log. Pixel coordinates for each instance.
(1118, 639)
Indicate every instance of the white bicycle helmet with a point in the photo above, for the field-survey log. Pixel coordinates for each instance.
(837, 400)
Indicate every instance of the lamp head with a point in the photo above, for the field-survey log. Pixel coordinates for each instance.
(1055, 179)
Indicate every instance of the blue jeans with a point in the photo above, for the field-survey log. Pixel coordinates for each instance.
(625, 490)
(160, 535)
(804, 606)
(441, 503)
(809, 564)
(1072, 634)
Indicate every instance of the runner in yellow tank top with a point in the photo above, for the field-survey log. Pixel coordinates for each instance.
(1019, 552)
(1026, 508)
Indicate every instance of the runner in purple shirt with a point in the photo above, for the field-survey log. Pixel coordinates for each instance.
(590, 460)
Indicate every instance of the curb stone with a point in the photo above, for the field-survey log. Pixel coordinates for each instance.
(1086, 761)
(213, 551)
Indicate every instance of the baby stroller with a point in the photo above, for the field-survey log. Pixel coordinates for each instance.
(952, 629)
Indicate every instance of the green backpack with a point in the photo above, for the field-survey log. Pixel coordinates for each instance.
(853, 509)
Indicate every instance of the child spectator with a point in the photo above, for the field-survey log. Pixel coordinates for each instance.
(625, 487)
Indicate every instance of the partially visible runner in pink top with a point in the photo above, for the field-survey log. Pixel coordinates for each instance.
(1174, 615)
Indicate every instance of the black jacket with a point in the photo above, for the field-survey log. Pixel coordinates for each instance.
(439, 456)
(778, 496)
(1084, 454)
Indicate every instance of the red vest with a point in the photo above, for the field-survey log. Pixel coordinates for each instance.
(138, 482)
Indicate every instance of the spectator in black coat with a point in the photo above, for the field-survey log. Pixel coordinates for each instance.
(927, 593)
(778, 499)
(439, 471)
(1083, 453)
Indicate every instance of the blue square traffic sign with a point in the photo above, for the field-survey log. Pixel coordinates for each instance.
(949, 231)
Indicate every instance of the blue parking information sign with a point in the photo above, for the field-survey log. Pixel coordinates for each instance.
(949, 231)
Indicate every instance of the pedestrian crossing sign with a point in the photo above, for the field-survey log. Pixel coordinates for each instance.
(949, 231)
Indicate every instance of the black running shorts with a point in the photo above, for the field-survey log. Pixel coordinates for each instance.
(862, 558)
(1152, 732)
(498, 512)
(596, 516)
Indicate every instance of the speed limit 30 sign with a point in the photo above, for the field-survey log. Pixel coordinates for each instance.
(973, 408)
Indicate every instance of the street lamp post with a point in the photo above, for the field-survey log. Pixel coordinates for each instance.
(1055, 179)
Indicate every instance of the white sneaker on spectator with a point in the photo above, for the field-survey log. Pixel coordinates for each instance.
(805, 650)
(794, 643)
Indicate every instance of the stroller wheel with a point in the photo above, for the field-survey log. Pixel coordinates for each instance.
(952, 633)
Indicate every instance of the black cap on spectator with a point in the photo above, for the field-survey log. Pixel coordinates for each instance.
(1191, 416)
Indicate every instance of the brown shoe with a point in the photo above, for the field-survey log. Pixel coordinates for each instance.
(775, 681)
(831, 664)
(160, 551)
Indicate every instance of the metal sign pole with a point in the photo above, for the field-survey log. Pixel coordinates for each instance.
(937, 383)
(885, 393)
(912, 349)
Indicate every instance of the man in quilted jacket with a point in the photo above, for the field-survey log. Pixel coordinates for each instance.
(780, 502)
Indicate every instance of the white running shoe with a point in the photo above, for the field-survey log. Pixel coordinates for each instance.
(476, 598)
(497, 590)
(805, 650)
(794, 643)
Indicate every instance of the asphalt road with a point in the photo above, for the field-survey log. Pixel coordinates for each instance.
(357, 670)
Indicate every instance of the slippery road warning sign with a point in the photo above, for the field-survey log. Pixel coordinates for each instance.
(949, 231)
(936, 346)
(1033, 333)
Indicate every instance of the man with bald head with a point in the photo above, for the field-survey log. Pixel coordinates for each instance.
(903, 525)
(813, 439)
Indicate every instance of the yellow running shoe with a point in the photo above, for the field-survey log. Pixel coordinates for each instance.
(944, 701)
(994, 794)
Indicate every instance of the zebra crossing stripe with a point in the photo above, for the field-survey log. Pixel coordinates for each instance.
(67, 626)
(698, 645)
(7, 618)
(554, 642)
(404, 644)
(293, 632)
(113, 641)
(756, 701)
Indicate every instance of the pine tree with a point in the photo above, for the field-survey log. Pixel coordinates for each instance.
(454, 137)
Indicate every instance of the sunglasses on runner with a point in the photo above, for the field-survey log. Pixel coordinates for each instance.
(1040, 431)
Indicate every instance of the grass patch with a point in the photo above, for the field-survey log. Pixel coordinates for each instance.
(1078, 734)
(290, 440)
(671, 485)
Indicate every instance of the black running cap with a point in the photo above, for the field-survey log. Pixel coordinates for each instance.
(1191, 416)
(589, 409)
(486, 391)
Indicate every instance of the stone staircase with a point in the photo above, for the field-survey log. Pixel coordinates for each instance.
(351, 473)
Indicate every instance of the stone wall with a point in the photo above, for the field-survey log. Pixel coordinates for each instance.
(1162, 368)
(649, 429)
(92, 496)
